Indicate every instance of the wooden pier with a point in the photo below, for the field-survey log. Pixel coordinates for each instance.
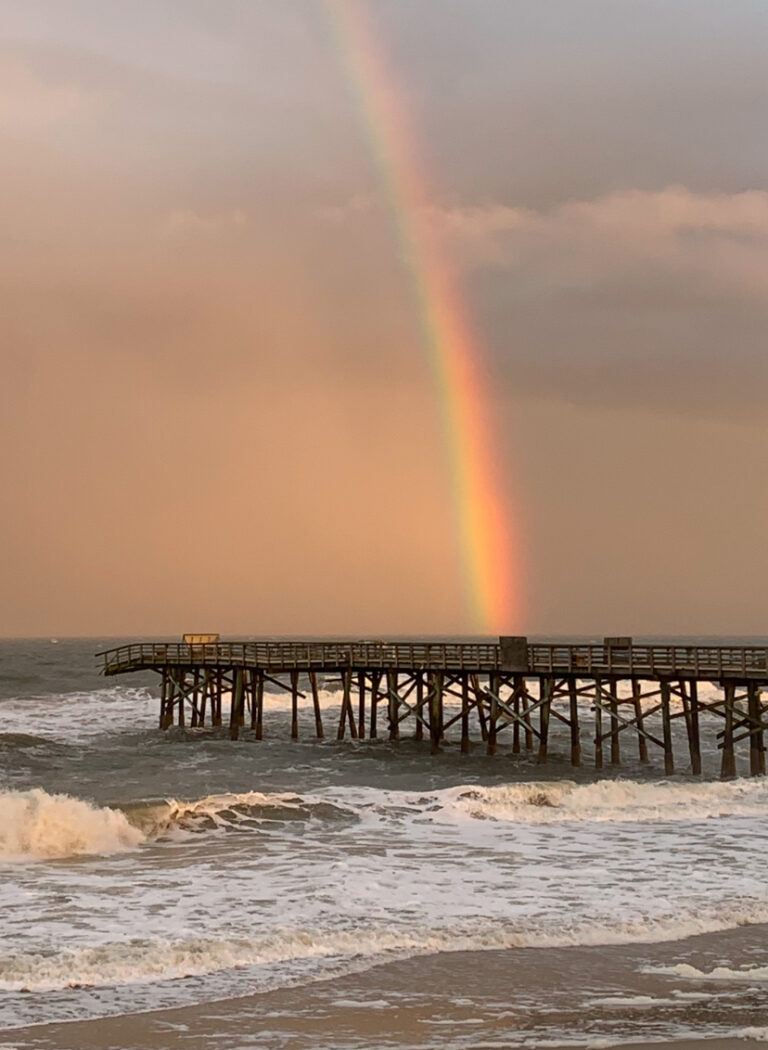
(470, 693)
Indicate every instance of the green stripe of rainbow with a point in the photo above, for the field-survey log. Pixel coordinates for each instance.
(485, 535)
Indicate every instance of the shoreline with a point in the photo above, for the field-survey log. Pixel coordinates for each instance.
(524, 997)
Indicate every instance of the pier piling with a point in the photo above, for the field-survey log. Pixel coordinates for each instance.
(462, 693)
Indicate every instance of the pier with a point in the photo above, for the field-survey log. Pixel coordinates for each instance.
(469, 693)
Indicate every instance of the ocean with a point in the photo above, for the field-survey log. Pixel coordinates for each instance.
(179, 889)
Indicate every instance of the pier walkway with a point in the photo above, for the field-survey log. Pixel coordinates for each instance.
(482, 689)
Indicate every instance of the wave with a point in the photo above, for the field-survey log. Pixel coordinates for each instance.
(141, 961)
(718, 973)
(288, 950)
(548, 802)
(36, 825)
(228, 811)
(39, 826)
(27, 742)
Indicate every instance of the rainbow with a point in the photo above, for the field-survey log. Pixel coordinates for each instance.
(485, 535)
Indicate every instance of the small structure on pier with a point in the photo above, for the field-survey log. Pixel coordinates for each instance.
(475, 690)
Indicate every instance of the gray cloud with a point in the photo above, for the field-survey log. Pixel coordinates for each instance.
(209, 341)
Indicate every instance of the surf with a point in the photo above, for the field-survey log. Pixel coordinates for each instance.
(36, 825)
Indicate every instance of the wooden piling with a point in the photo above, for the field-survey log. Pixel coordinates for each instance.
(493, 712)
(393, 705)
(524, 699)
(666, 727)
(573, 704)
(204, 696)
(614, 707)
(373, 720)
(545, 702)
(753, 714)
(294, 705)
(465, 714)
(193, 714)
(347, 714)
(516, 709)
(237, 703)
(695, 734)
(691, 715)
(258, 710)
(435, 710)
(194, 678)
(361, 705)
(479, 696)
(418, 731)
(163, 700)
(182, 698)
(216, 699)
(637, 703)
(728, 765)
(319, 733)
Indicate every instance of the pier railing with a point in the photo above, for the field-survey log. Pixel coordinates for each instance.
(654, 661)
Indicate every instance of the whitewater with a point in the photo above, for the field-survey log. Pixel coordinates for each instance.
(142, 871)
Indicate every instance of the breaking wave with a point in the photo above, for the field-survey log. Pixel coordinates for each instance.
(34, 824)
(232, 811)
(288, 950)
(39, 826)
(609, 800)
(718, 973)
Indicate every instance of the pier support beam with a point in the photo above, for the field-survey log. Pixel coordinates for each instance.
(728, 765)
(493, 712)
(236, 709)
(666, 727)
(637, 703)
(689, 696)
(373, 720)
(347, 713)
(546, 689)
(465, 714)
(294, 705)
(756, 745)
(615, 743)
(573, 705)
(319, 732)
(393, 705)
(418, 732)
(361, 705)
(257, 709)
(435, 710)
(163, 722)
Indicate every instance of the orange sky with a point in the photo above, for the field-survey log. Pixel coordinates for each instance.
(217, 412)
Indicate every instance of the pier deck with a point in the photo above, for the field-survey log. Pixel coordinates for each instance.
(435, 686)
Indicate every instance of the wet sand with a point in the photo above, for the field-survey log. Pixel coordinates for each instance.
(516, 998)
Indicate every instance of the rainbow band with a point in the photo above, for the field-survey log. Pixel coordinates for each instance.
(485, 535)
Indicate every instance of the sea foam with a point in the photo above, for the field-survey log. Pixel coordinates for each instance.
(140, 961)
(548, 802)
(36, 825)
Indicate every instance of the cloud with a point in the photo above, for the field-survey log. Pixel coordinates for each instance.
(653, 297)
(671, 228)
(26, 98)
(191, 225)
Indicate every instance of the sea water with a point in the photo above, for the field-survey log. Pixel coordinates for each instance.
(358, 893)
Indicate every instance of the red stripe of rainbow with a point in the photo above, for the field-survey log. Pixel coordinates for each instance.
(485, 534)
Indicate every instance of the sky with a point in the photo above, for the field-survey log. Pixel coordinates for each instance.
(218, 412)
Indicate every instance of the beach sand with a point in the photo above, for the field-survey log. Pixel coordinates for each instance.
(483, 1000)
